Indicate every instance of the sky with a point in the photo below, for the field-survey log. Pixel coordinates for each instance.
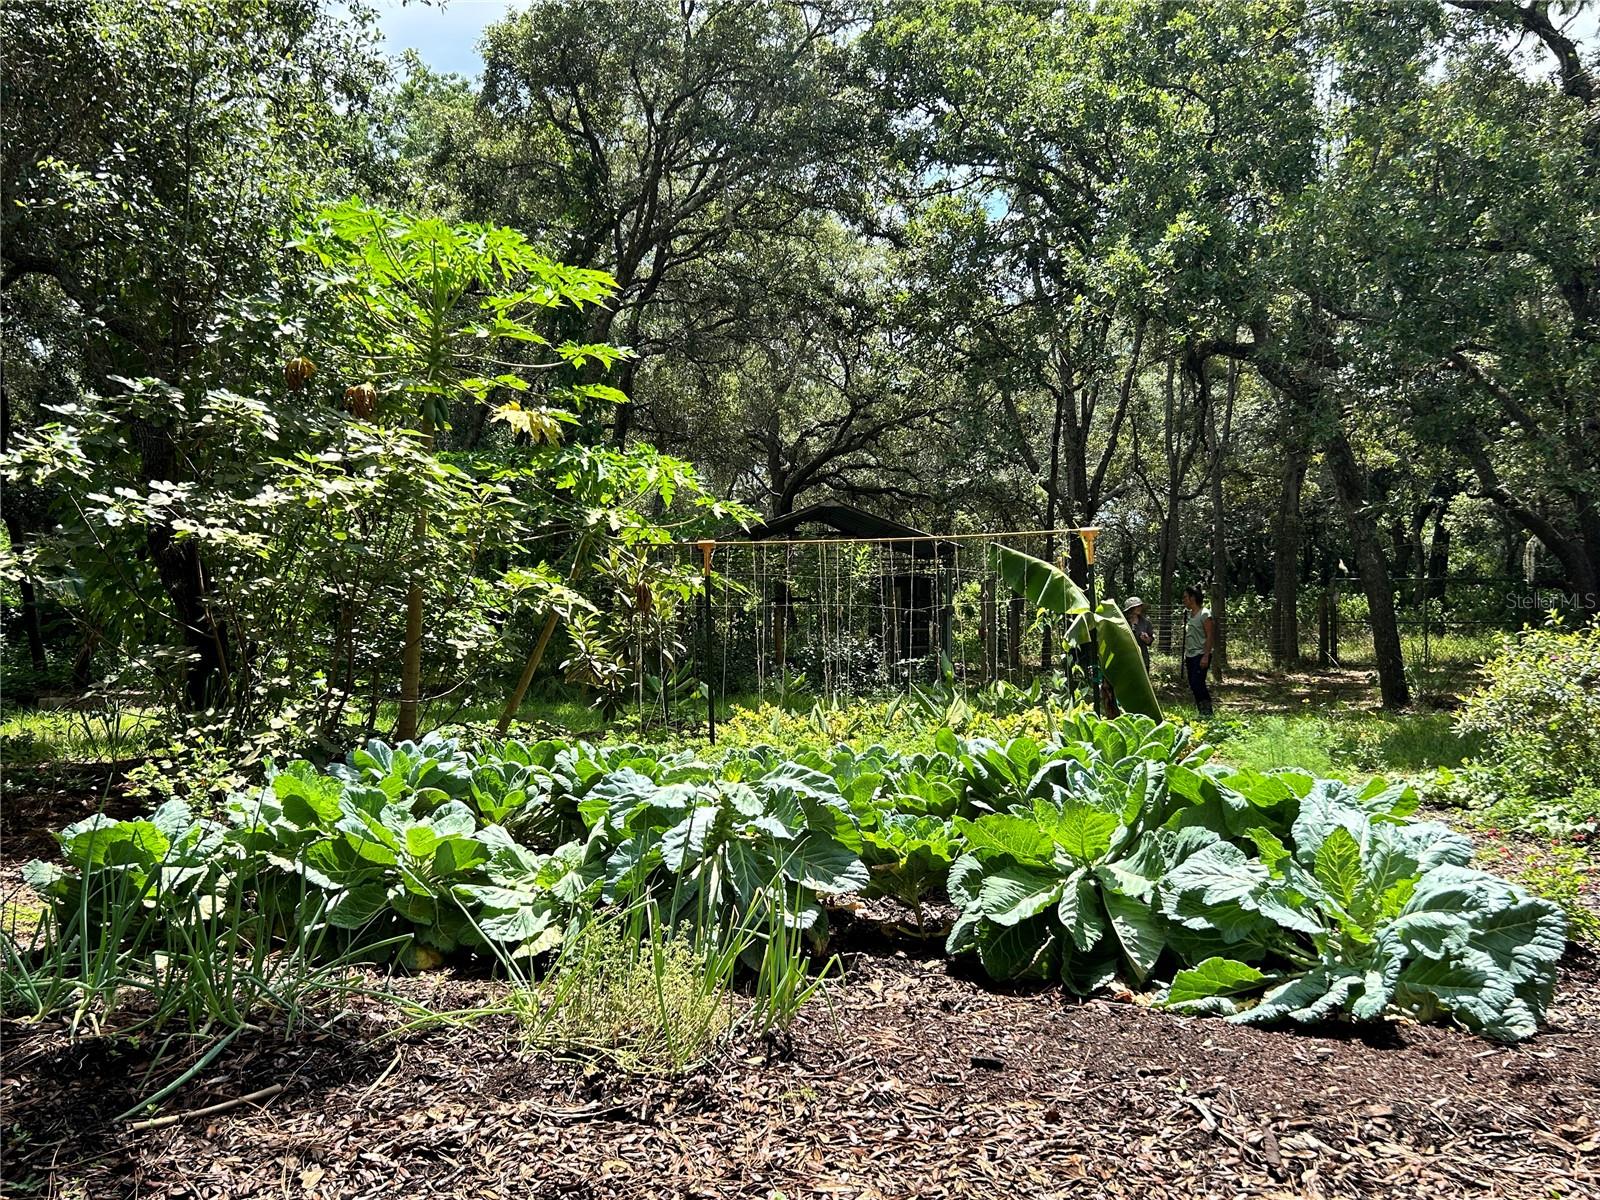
(446, 39)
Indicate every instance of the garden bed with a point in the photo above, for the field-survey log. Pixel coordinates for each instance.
(920, 1075)
(918, 1079)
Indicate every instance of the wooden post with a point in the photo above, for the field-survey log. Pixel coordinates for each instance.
(1088, 536)
(514, 701)
(705, 668)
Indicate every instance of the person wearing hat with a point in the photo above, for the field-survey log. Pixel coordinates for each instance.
(1143, 632)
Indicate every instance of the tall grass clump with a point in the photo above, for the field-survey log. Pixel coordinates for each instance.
(149, 935)
(660, 998)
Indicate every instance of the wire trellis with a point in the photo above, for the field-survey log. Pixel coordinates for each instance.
(833, 618)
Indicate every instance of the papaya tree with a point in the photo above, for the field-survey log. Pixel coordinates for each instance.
(431, 313)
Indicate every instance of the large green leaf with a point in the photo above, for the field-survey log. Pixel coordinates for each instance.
(1011, 893)
(458, 855)
(357, 906)
(1049, 588)
(1079, 910)
(100, 840)
(1313, 996)
(1123, 662)
(1083, 831)
(1043, 585)
(816, 861)
(1013, 951)
(966, 876)
(1138, 929)
(1209, 979)
(307, 796)
(1018, 836)
(1339, 869)
(684, 844)
(1214, 875)
(1470, 986)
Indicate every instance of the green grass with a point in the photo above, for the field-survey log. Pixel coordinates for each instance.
(572, 715)
(56, 737)
(75, 735)
(1351, 744)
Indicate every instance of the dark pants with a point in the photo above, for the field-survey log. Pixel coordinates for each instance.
(1197, 684)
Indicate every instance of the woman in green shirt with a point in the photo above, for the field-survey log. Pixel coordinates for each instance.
(1199, 638)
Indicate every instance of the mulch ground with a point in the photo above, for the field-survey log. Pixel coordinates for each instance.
(914, 1080)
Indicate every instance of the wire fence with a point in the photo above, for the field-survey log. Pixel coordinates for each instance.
(852, 616)
(840, 617)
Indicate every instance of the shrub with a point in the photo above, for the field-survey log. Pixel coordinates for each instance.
(1561, 875)
(908, 722)
(1537, 713)
(1540, 706)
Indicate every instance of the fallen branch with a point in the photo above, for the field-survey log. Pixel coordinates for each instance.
(265, 1093)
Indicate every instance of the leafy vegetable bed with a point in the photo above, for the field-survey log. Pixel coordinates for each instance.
(1114, 853)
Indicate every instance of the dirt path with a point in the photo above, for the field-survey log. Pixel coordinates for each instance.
(918, 1081)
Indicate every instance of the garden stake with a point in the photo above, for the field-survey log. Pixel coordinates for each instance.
(705, 666)
(1088, 536)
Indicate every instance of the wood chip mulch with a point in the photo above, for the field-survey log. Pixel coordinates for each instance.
(915, 1080)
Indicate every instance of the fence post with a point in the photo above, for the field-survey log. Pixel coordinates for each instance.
(1088, 536)
(1427, 659)
(705, 610)
(1333, 624)
(1324, 655)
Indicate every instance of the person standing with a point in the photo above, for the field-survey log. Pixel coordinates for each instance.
(1145, 634)
(1139, 621)
(1199, 639)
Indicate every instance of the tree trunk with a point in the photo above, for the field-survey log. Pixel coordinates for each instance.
(411, 656)
(1575, 554)
(1438, 555)
(1286, 527)
(1350, 484)
(1219, 579)
(30, 601)
(1170, 527)
(178, 566)
(1220, 433)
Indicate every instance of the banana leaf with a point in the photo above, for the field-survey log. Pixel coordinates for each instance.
(1043, 585)
(1049, 588)
(1123, 664)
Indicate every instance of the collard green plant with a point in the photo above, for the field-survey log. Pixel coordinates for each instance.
(1116, 853)
(1360, 915)
(1063, 884)
(909, 856)
(729, 848)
